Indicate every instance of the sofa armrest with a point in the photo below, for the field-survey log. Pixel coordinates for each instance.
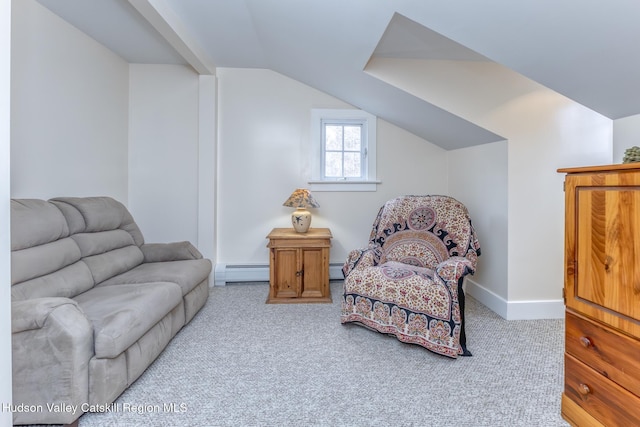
(175, 251)
(455, 268)
(33, 313)
(52, 344)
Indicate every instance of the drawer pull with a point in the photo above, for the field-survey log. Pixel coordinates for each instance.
(584, 389)
(586, 342)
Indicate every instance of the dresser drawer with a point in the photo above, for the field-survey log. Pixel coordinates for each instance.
(606, 401)
(614, 355)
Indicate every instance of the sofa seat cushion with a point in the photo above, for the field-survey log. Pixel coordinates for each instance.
(186, 273)
(122, 314)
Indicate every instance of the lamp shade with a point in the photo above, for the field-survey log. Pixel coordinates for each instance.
(301, 199)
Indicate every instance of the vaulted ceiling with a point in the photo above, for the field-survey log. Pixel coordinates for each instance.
(586, 50)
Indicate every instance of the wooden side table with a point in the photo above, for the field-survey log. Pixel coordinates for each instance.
(299, 265)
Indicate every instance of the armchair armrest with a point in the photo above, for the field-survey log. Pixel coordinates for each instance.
(175, 251)
(451, 271)
(365, 257)
(454, 268)
(52, 344)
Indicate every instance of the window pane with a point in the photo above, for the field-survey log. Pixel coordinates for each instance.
(352, 138)
(333, 165)
(333, 137)
(352, 165)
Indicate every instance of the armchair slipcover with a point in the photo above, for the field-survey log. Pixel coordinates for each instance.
(408, 281)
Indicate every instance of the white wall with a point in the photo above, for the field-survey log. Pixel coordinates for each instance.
(163, 151)
(626, 134)
(5, 191)
(69, 110)
(87, 123)
(545, 131)
(478, 177)
(264, 143)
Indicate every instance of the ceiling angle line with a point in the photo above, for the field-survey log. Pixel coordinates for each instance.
(171, 28)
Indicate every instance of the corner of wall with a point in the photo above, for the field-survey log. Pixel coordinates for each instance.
(5, 197)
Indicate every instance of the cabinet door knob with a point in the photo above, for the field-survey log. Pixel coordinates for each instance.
(584, 389)
(586, 342)
(299, 273)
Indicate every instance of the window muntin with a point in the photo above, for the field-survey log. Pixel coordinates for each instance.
(340, 161)
(343, 150)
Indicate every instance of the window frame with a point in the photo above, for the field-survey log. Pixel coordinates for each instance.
(362, 152)
(345, 117)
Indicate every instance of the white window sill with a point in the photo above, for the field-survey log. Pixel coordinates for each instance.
(344, 185)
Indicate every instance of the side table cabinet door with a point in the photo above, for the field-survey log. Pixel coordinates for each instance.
(314, 276)
(286, 279)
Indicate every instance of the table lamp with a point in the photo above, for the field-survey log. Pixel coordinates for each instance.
(301, 199)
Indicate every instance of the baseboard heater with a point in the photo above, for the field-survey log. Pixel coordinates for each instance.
(230, 273)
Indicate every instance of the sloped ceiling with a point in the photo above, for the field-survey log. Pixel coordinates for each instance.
(585, 50)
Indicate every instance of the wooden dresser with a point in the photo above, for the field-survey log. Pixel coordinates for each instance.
(602, 296)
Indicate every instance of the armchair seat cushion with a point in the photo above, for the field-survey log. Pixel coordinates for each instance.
(405, 286)
(122, 314)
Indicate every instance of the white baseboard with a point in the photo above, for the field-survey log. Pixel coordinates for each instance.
(510, 310)
(516, 310)
(229, 273)
(240, 273)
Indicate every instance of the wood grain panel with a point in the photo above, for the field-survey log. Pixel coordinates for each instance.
(576, 416)
(286, 273)
(603, 399)
(608, 352)
(602, 257)
(607, 253)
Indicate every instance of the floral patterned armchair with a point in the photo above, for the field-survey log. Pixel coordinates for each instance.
(408, 281)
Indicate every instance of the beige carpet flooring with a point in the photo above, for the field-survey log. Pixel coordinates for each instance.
(241, 362)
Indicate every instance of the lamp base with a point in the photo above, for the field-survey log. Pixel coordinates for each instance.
(301, 220)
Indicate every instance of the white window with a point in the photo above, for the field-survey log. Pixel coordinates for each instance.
(344, 150)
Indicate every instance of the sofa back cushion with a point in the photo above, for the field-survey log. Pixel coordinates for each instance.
(93, 214)
(105, 232)
(45, 261)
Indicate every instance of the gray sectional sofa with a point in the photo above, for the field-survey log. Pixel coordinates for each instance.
(93, 305)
